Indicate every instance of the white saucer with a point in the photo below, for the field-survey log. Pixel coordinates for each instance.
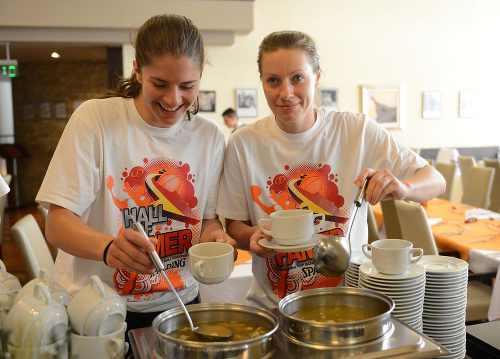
(272, 244)
(443, 264)
(370, 270)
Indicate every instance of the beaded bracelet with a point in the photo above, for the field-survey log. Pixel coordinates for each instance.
(105, 253)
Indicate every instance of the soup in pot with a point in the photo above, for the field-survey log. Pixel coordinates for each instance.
(334, 314)
(242, 331)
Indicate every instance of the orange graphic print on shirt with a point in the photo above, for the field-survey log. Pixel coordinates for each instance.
(307, 186)
(159, 194)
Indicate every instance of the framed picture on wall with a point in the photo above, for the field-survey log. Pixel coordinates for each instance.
(431, 104)
(385, 105)
(61, 110)
(468, 104)
(45, 111)
(207, 101)
(29, 111)
(328, 98)
(246, 102)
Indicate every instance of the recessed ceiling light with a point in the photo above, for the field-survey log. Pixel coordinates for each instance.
(55, 55)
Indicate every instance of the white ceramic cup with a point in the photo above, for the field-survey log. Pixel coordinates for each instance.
(57, 292)
(107, 346)
(36, 320)
(211, 262)
(6, 302)
(293, 226)
(57, 350)
(96, 309)
(11, 282)
(392, 256)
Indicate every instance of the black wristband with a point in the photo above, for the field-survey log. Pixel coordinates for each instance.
(105, 253)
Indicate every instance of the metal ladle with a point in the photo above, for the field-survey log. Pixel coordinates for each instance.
(332, 254)
(211, 332)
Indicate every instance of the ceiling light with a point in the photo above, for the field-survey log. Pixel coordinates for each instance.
(55, 55)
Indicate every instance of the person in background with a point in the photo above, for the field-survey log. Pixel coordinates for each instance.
(307, 157)
(231, 119)
(139, 153)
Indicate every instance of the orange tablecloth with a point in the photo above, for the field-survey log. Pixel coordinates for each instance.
(453, 215)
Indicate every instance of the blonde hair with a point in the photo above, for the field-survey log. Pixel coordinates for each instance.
(289, 40)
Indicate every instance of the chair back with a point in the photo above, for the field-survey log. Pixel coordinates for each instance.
(391, 221)
(495, 188)
(448, 171)
(478, 187)
(43, 213)
(465, 163)
(3, 204)
(32, 245)
(373, 234)
(415, 227)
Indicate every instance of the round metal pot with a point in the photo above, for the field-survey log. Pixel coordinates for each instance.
(258, 347)
(346, 333)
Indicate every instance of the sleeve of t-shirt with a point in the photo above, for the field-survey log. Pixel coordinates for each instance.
(72, 178)
(232, 201)
(216, 171)
(4, 187)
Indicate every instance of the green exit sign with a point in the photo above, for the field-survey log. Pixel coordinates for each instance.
(9, 68)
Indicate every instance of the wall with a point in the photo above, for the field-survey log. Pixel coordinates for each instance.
(445, 45)
(69, 82)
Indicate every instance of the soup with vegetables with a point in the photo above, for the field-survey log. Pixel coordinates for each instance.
(334, 314)
(242, 331)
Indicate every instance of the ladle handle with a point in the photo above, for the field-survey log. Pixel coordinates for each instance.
(155, 258)
(358, 199)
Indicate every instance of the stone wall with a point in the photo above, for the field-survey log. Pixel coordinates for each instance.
(62, 85)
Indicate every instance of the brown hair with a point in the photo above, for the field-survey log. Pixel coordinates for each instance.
(162, 35)
(289, 40)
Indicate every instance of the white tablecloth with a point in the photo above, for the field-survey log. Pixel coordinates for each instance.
(488, 261)
(232, 290)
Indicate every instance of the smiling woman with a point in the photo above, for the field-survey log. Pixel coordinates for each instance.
(138, 153)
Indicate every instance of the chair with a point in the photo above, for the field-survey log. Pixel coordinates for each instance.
(32, 245)
(416, 229)
(3, 203)
(448, 171)
(373, 234)
(478, 187)
(391, 221)
(495, 189)
(43, 213)
(465, 163)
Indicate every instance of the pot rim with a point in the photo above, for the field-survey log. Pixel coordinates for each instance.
(336, 290)
(238, 308)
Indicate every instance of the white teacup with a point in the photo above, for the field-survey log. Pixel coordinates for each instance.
(392, 256)
(57, 350)
(211, 262)
(35, 320)
(57, 292)
(96, 309)
(11, 282)
(293, 226)
(109, 346)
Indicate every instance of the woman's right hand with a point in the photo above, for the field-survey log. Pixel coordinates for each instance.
(256, 248)
(128, 251)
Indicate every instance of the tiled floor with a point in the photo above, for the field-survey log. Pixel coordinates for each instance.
(10, 253)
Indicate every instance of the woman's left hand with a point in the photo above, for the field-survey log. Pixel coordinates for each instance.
(219, 235)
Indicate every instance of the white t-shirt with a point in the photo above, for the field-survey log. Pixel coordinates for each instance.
(267, 169)
(111, 168)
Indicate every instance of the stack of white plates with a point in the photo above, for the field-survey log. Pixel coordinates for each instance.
(352, 272)
(445, 302)
(406, 290)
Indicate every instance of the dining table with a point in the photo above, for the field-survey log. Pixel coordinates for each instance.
(474, 233)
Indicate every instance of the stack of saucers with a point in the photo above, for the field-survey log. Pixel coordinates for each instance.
(445, 302)
(406, 290)
(352, 272)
